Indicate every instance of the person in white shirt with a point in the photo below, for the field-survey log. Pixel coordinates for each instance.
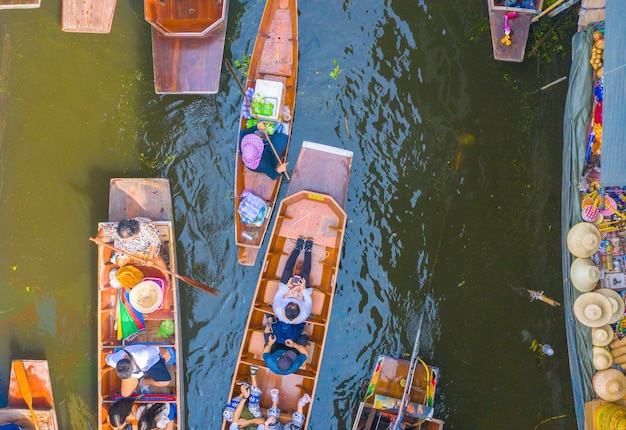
(292, 302)
(141, 365)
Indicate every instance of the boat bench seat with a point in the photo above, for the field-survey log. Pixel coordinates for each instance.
(254, 353)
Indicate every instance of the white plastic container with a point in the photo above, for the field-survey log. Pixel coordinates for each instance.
(274, 92)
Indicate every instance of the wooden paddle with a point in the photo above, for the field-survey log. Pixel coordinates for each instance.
(548, 9)
(185, 279)
(232, 72)
(22, 382)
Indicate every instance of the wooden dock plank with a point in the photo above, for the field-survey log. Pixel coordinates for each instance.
(88, 16)
(19, 4)
(188, 65)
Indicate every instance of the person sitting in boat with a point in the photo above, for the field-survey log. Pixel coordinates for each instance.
(136, 236)
(244, 410)
(284, 358)
(122, 415)
(297, 418)
(154, 416)
(256, 153)
(292, 302)
(143, 365)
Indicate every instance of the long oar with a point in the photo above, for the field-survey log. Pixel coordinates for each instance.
(548, 9)
(22, 382)
(185, 279)
(232, 72)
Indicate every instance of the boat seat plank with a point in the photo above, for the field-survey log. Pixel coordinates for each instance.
(318, 297)
(256, 343)
(320, 225)
(88, 16)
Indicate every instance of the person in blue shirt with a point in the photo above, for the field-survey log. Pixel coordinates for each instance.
(284, 358)
(256, 153)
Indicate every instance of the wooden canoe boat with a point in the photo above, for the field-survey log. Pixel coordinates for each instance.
(37, 383)
(129, 198)
(392, 404)
(380, 408)
(88, 16)
(274, 58)
(520, 26)
(19, 4)
(314, 207)
(188, 39)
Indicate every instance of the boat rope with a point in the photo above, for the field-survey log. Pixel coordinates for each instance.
(318, 239)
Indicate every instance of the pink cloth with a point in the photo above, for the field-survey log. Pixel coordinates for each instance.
(251, 150)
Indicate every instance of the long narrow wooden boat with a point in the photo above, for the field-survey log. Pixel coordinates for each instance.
(390, 402)
(129, 198)
(499, 15)
(38, 384)
(19, 4)
(314, 207)
(274, 58)
(88, 16)
(188, 39)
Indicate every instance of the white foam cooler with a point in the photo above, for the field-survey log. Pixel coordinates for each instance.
(274, 92)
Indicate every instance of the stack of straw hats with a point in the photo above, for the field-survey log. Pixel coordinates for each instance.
(602, 358)
(584, 274)
(609, 384)
(593, 309)
(602, 336)
(617, 303)
(583, 240)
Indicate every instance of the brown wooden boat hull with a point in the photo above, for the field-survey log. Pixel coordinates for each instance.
(88, 16)
(313, 214)
(38, 376)
(188, 38)
(275, 58)
(150, 198)
(520, 27)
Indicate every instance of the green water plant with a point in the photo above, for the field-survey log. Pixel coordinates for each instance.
(242, 65)
(335, 73)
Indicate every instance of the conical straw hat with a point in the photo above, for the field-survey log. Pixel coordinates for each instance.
(602, 336)
(583, 240)
(593, 309)
(617, 303)
(602, 358)
(146, 296)
(584, 274)
(609, 384)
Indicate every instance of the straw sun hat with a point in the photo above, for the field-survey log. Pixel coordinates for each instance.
(584, 274)
(583, 240)
(602, 336)
(609, 384)
(602, 358)
(617, 303)
(146, 297)
(593, 309)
